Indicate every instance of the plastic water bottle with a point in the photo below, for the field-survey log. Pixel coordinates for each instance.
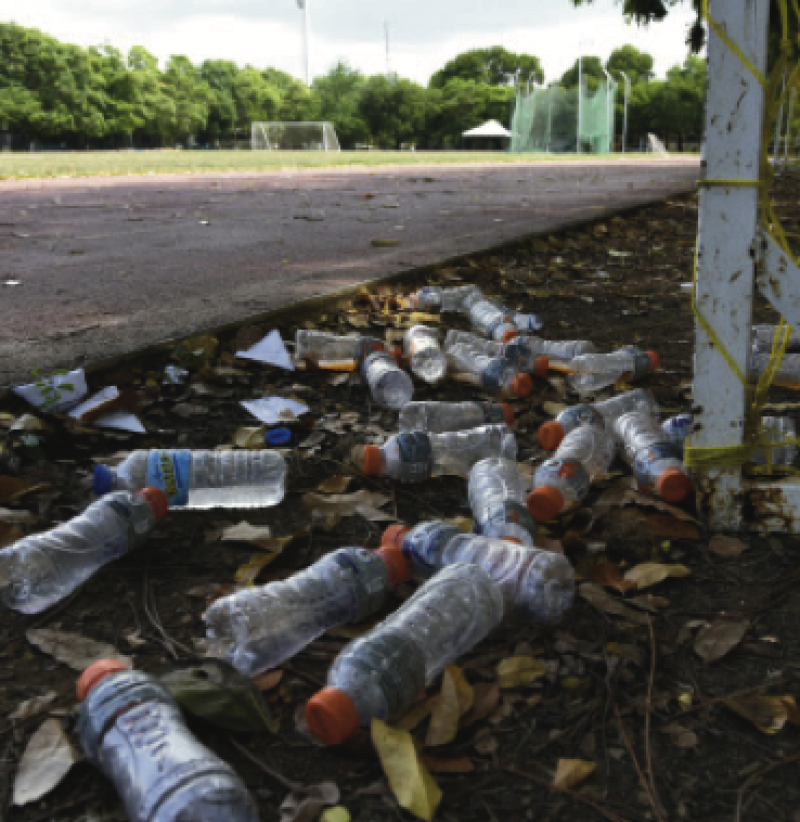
(677, 429)
(526, 323)
(496, 376)
(656, 461)
(763, 335)
(537, 586)
(530, 346)
(200, 479)
(414, 456)
(379, 675)
(331, 351)
(259, 628)
(492, 320)
(132, 730)
(517, 352)
(563, 482)
(606, 412)
(434, 300)
(596, 371)
(389, 385)
(788, 375)
(497, 499)
(421, 347)
(39, 571)
(438, 417)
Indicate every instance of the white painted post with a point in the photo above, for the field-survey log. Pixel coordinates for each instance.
(625, 114)
(727, 228)
(580, 98)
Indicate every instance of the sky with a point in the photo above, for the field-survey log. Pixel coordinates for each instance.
(423, 34)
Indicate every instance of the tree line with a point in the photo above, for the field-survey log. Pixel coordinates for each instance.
(60, 94)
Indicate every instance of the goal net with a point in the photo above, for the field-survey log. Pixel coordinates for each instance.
(294, 137)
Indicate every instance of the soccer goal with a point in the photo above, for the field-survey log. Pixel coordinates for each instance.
(294, 137)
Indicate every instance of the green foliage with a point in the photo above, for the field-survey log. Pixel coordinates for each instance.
(493, 66)
(636, 64)
(592, 69)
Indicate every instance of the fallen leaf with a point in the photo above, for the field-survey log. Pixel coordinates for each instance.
(364, 503)
(768, 713)
(410, 781)
(31, 707)
(244, 532)
(416, 714)
(571, 772)
(517, 671)
(250, 438)
(269, 680)
(306, 804)
(726, 546)
(651, 573)
(336, 814)
(597, 597)
(46, 761)
(461, 764)
(610, 576)
(714, 641)
(669, 527)
(334, 485)
(74, 650)
(248, 573)
(445, 714)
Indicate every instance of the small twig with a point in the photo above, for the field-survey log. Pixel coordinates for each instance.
(271, 772)
(648, 709)
(757, 775)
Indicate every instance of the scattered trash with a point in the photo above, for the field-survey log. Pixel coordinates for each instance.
(272, 410)
(56, 393)
(48, 758)
(270, 351)
(120, 420)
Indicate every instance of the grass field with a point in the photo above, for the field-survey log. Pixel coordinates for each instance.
(123, 163)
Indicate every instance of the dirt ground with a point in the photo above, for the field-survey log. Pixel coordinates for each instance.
(625, 687)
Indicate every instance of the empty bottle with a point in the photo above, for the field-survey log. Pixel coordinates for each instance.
(537, 586)
(527, 323)
(563, 482)
(132, 730)
(788, 374)
(517, 352)
(606, 412)
(438, 417)
(522, 346)
(414, 456)
(496, 376)
(259, 628)
(677, 429)
(434, 300)
(656, 462)
(492, 320)
(332, 351)
(497, 499)
(763, 336)
(421, 347)
(595, 371)
(39, 571)
(389, 385)
(200, 479)
(379, 675)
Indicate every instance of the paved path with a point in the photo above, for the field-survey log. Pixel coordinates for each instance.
(109, 265)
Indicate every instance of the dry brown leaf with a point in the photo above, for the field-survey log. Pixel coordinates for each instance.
(334, 485)
(486, 695)
(74, 650)
(517, 671)
(250, 438)
(668, 527)
(416, 714)
(724, 546)
(768, 713)
(651, 573)
(610, 576)
(46, 761)
(462, 764)
(364, 503)
(714, 641)
(597, 597)
(445, 714)
(31, 707)
(571, 772)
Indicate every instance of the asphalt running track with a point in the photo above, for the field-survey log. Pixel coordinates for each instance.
(107, 266)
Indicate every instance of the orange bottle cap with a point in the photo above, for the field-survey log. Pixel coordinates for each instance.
(371, 459)
(551, 434)
(95, 672)
(158, 502)
(512, 539)
(396, 352)
(331, 716)
(394, 535)
(673, 485)
(655, 360)
(396, 562)
(508, 414)
(541, 367)
(521, 385)
(545, 503)
(509, 335)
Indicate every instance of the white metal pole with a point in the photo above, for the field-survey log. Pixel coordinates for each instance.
(609, 113)
(625, 111)
(549, 120)
(303, 5)
(580, 99)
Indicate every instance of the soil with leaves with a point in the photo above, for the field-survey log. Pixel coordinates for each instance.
(668, 692)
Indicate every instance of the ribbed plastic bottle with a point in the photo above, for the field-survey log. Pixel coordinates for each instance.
(496, 376)
(517, 352)
(606, 412)
(596, 371)
(445, 300)
(132, 730)
(497, 499)
(379, 675)
(763, 335)
(200, 479)
(39, 571)
(490, 319)
(259, 628)
(563, 482)
(656, 462)
(438, 417)
(414, 456)
(389, 385)
(560, 350)
(333, 351)
(528, 323)
(537, 586)
(788, 375)
(421, 348)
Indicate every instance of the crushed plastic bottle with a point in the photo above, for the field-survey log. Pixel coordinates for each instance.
(438, 417)
(414, 456)
(200, 479)
(497, 499)
(492, 320)
(496, 376)
(517, 352)
(527, 323)
(537, 586)
(656, 461)
(763, 335)
(379, 675)
(259, 628)
(444, 300)
(40, 570)
(421, 348)
(595, 371)
(521, 347)
(389, 385)
(132, 730)
(335, 352)
(600, 413)
(563, 482)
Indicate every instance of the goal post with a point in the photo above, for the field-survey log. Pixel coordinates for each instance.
(294, 136)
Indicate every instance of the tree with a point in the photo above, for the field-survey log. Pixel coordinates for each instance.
(592, 69)
(338, 98)
(493, 66)
(393, 109)
(190, 94)
(462, 105)
(636, 64)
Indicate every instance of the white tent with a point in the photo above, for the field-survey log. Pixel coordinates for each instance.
(491, 128)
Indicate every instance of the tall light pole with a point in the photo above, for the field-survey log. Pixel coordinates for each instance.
(580, 99)
(609, 113)
(625, 110)
(303, 6)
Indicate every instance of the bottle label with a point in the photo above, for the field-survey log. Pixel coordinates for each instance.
(416, 456)
(424, 545)
(492, 375)
(528, 322)
(641, 363)
(169, 472)
(567, 475)
(646, 460)
(370, 578)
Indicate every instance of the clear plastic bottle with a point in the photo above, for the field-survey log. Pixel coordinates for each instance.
(496, 376)
(389, 385)
(563, 482)
(497, 499)
(788, 375)
(606, 412)
(132, 730)
(526, 323)
(517, 352)
(677, 429)
(763, 335)
(537, 586)
(379, 675)
(595, 371)
(259, 628)
(438, 417)
(40, 570)
(421, 347)
(332, 351)
(656, 462)
(492, 320)
(434, 300)
(414, 456)
(200, 479)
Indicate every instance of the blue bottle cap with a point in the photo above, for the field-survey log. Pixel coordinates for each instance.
(102, 480)
(278, 436)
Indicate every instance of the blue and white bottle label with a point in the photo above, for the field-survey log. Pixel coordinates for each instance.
(169, 472)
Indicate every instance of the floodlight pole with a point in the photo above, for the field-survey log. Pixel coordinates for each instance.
(609, 113)
(550, 119)
(625, 110)
(303, 5)
(580, 100)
